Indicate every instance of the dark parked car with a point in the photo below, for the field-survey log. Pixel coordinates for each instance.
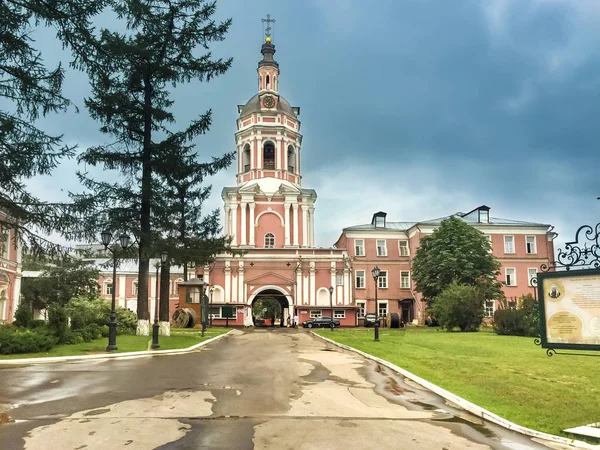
(370, 320)
(320, 322)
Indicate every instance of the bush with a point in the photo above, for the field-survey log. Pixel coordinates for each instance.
(523, 321)
(85, 312)
(58, 323)
(14, 340)
(459, 306)
(37, 323)
(23, 316)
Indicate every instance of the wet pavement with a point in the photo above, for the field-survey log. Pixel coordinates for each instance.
(265, 389)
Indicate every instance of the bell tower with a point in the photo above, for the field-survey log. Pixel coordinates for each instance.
(268, 69)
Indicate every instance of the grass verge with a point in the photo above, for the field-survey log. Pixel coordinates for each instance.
(180, 338)
(507, 375)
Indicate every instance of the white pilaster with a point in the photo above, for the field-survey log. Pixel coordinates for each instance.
(207, 274)
(241, 293)
(227, 286)
(16, 298)
(311, 230)
(243, 223)
(299, 291)
(335, 289)
(295, 215)
(312, 287)
(304, 226)
(286, 209)
(305, 290)
(347, 284)
(227, 220)
(252, 206)
(234, 223)
(234, 288)
(122, 289)
(152, 294)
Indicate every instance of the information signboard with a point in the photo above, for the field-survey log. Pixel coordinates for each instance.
(570, 309)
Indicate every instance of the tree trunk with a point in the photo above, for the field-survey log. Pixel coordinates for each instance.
(142, 305)
(164, 315)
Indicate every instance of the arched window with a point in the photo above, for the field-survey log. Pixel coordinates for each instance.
(291, 159)
(246, 158)
(269, 155)
(259, 83)
(269, 240)
(268, 82)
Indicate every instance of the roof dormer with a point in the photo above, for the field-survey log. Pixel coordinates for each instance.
(378, 220)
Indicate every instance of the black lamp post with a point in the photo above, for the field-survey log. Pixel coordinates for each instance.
(123, 243)
(210, 317)
(331, 306)
(163, 259)
(376, 272)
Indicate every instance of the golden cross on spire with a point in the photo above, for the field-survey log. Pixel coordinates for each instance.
(268, 29)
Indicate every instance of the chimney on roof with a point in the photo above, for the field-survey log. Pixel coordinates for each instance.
(379, 219)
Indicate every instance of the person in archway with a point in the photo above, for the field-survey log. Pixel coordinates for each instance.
(272, 319)
(281, 321)
(289, 321)
(296, 321)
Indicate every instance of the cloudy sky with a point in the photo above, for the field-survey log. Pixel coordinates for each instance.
(420, 108)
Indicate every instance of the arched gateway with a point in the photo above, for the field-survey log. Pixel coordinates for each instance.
(271, 217)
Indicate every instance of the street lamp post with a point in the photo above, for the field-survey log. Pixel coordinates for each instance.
(332, 325)
(124, 242)
(163, 259)
(376, 272)
(210, 317)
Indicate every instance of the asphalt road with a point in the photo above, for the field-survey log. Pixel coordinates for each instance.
(265, 389)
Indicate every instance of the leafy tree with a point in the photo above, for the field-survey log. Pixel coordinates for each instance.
(59, 284)
(131, 75)
(521, 320)
(459, 306)
(458, 253)
(266, 308)
(29, 89)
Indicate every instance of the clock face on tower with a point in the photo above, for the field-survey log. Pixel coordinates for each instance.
(268, 101)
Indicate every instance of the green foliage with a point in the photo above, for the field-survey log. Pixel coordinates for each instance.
(522, 321)
(23, 316)
(459, 306)
(458, 253)
(14, 340)
(94, 314)
(58, 323)
(60, 283)
(266, 308)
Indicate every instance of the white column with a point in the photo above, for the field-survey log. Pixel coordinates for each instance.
(241, 294)
(122, 287)
(16, 298)
(305, 290)
(252, 206)
(152, 293)
(207, 274)
(312, 283)
(243, 223)
(304, 226)
(347, 286)
(234, 223)
(335, 289)
(295, 215)
(286, 209)
(259, 151)
(299, 291)
(227, 286)
(252, 150)
(311, 230)
(234, 288)
(227, 220)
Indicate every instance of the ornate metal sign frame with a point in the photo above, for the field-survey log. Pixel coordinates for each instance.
(584, 256)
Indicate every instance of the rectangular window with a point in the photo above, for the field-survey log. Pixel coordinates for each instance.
(511, 276)
(403, 247)
(381, 248)
(360, 279)
(484, 216)
(6, 243)
(339, 279)
(382, 280)
(315, 314)
(228, 312)
(404, 279)
(134, 288)
(489, 239)
(489, 308)
(359, 247)
(215, 312)
(530, 245)
(339, 314)
(531, 274)
(382, 309)
(361, 309)
(108, 287)
(509, 244)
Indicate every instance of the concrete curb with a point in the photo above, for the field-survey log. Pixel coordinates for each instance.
(59, 359)
(465, 404)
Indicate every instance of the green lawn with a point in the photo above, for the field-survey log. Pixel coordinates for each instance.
(180, 338)
(507, 375)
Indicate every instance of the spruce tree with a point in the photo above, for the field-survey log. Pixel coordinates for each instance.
(131, 75)
(30, 90)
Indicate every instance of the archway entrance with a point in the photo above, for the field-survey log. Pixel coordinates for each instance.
(270, 307)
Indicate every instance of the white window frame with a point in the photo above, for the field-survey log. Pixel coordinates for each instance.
(534, 252)
(270, 236)
(529, 277)
(514, 281)
(176, 287)
(512, 244)
(134, 287)
(106, 283)
(484, 216)
(362, 277)
(362, 305)
(407, 277)
(487, 308)
(379, 303)
(339, 279)
(339, 313)
(6, 243)
(316, 313)
(384, 247)
(357, 247)
(382, 280)
(489, 239)
(403, 247)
